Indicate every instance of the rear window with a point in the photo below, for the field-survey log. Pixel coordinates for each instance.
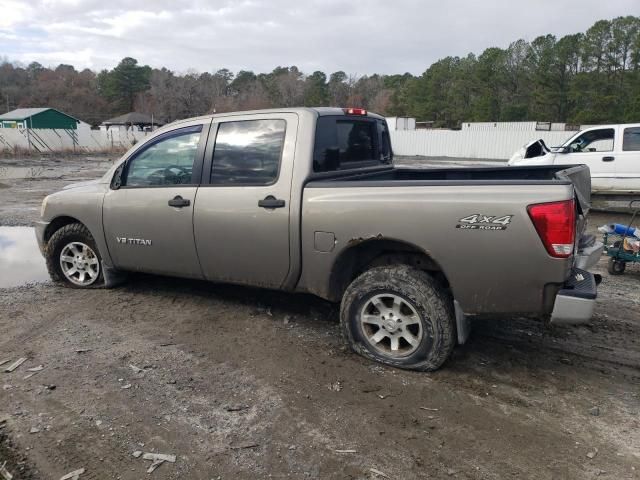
(344, 143)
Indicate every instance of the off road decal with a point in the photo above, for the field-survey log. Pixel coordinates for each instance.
(479, 221)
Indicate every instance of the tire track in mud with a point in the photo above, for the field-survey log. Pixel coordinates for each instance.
(535, 402)
(620, 350)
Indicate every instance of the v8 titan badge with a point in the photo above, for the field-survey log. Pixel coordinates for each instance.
(478, 221)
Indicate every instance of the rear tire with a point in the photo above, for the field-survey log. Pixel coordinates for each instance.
(73, 258)
(399, 316)
(616, 267)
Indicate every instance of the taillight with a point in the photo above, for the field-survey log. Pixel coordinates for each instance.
(354, 111)
(555, 222)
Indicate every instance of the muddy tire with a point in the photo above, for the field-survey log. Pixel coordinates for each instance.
(399, 316)
(616, 267)
(73, 258)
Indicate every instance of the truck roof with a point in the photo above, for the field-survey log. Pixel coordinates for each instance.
(320, 111)
(608, 125)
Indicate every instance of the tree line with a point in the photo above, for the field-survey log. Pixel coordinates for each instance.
(590, 77)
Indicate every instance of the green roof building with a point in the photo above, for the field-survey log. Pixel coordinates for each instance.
(38, 118)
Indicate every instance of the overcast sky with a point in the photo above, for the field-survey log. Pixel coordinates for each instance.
(357, 36)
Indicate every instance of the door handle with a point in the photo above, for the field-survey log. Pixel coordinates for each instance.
(179, 202)
(608, 159)
(271, 202)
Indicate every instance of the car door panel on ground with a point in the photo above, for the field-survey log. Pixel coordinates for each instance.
(148, 219)
(241, 215)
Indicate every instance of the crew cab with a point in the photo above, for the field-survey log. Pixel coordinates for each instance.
(309, 200)
(612, 153)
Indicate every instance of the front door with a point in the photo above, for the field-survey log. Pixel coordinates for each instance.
(148, 213)
(594, 148)
(241, 217)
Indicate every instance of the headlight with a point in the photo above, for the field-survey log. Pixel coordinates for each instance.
(44, 206)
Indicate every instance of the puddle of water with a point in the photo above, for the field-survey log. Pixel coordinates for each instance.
(20, 258)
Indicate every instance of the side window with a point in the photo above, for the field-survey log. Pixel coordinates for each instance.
(594, 141)
(248, 152)
(631, 139)
(169, 161)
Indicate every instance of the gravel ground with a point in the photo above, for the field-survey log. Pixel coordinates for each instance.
(245, 383)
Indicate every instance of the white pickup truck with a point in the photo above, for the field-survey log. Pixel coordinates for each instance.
(612, 153)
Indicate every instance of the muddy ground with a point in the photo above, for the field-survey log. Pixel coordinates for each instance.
(241, 383)
(24, 182)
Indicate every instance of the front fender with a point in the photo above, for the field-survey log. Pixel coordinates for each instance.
(82, 204)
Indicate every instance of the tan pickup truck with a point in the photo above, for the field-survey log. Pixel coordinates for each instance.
(308, 200)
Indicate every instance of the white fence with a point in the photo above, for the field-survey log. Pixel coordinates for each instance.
(491, 144)
(82, 139)
(512, 126)
(469, 143)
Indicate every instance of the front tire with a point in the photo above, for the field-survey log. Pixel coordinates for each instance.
(399, 316)
(73, 258)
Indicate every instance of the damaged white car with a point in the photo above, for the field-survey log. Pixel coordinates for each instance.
(612, 153)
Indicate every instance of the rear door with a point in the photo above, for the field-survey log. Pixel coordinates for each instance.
(148, 212)
(594, 148)
(241, 216)
(627, 160)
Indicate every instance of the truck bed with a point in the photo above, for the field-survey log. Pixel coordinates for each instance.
(489, 270)
(577, 175)
(553, 174)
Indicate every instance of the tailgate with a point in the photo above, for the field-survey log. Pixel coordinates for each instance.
(589, 249)
(580, 177)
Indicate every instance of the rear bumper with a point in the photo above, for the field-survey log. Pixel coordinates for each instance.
(574, 303)
(588, 255)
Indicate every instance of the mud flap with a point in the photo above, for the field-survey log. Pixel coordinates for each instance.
(463, 325)
(112, 277)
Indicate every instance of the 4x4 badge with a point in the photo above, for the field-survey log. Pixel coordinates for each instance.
(478, 221)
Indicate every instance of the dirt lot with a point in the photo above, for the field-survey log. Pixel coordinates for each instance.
(243, 383)
(25, 182)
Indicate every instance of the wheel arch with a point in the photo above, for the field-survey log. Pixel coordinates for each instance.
(363, 255)
(57, 223)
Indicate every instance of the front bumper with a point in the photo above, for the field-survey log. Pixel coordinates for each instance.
(575, 301)
(40, 227)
